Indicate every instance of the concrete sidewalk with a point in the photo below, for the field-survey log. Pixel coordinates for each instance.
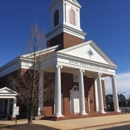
(91, 123)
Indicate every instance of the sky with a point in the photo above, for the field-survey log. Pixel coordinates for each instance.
(106, 22)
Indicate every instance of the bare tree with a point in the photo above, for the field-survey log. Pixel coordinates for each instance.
(27, 80)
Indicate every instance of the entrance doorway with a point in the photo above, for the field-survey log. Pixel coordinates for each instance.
(74, 100)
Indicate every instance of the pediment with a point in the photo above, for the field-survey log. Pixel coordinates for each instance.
(7, 91)
(88, 51)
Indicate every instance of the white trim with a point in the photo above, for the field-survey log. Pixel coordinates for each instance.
(67, 29)
(96, 95)
(93, 44)
(64, 60)
(10, 93)
(55, 2)
(74, 58)
(24, 61)
(41, 52)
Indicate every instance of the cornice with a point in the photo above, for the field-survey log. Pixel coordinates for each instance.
(104, 55)
(17, 62)
(67, 29)
(70, 57)
(41, 52)
(10, 67)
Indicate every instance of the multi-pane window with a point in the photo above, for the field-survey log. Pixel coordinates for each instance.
(72, 17)
(56, 18)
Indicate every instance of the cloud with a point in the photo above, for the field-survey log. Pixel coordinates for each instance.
(123, 84)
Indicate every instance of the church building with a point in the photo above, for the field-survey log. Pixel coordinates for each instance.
(79, 66)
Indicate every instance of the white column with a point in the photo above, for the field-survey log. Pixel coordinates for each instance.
(61, 103)
(115, 98)
(58, 91)
(78, 18)
(3, 105)
(8, 106)
(81, 93)
(14, 105)
(100, 94)
(40, 97)
(96, 95)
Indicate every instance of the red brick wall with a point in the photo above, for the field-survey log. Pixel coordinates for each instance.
(70, 40)
(89, 89)
(65, 40)
(67, 84)
(48, 107)
(58, 40)
(49, 82)
(5, 81)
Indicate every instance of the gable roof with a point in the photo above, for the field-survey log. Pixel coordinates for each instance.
(16, 63)
(88, 51)
(7, 93)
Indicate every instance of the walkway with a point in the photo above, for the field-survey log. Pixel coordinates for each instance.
(91, 123)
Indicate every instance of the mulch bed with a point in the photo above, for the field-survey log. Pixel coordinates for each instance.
(29, 127)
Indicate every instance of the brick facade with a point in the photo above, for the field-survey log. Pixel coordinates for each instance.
(67, 84)
(89, 89)
(65, 40)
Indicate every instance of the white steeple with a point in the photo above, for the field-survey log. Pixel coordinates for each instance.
(65, 17)
(69, 13)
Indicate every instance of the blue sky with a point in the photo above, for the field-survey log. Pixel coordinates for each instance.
(106, 22)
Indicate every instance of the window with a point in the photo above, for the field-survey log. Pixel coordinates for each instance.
(72, 16)
(56, 18)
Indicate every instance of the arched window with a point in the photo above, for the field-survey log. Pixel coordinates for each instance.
(72, 16)
(56, 18)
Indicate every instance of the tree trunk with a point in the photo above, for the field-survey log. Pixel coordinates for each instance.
(30, 114)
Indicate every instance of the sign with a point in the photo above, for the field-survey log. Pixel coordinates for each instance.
(88, 65)
(16, 110)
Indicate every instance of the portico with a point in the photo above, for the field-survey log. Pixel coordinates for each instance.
(8, 100)
(65, 61)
